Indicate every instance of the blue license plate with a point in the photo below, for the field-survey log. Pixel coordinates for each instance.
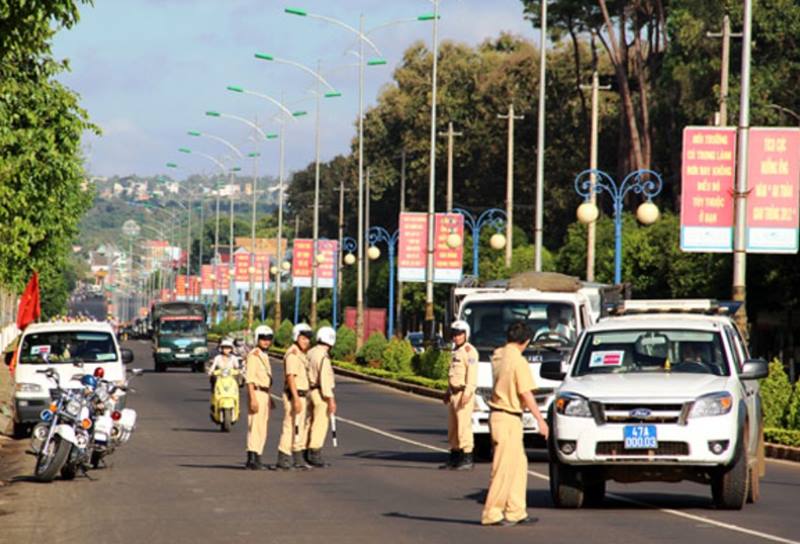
(640, 437)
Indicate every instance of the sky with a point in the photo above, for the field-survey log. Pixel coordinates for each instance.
(148, 70)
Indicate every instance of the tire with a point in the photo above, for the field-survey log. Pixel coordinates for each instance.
(483, 447)
(21, 430)
(226, 420)
(69, 471)
(729, 485)
(594, 489)
(46, 471)
(565, 486)
(160, 367)
(197, 368)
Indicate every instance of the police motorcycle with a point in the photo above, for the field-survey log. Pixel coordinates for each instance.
(63, 441)
(113, 424)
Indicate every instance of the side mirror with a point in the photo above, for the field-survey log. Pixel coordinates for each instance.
(551, 370)
(127, 356)
(754, 369)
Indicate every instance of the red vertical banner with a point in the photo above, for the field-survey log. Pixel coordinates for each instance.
(222, 278)
(773, 180)
(448, 262)
(194, 287)
(181, 287)
(262, 270)
(708, 171)
(412, 247)
(327, 250)
(301, 262)
(206, 281)
(241, 268)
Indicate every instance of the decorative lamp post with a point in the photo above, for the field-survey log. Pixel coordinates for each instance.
(380, 234)
(495, 218)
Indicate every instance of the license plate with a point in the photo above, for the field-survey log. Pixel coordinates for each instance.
(182, 355)
(640, 437)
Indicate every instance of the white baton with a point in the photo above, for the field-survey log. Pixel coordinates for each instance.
(333, 431)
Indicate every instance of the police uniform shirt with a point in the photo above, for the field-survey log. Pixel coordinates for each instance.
(512, 378)
(296, 363)
(259, 372)
(463, 373)
(320, 370)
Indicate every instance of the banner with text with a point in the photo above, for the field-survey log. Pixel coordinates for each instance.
(448, 261)
(412, 247)
(301, 262)
(773, 180)
(708, 174)
(206, 280)
(328, 249)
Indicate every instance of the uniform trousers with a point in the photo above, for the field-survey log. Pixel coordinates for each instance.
(293, 433)
(459, 424)
(257, 423)
(509, 484)
(318, 420)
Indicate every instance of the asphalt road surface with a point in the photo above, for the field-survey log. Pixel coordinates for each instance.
(181, 480)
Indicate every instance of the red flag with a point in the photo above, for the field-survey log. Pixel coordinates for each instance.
(29, 308)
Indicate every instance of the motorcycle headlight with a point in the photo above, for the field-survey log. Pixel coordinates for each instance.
(573, 405)
(73, 408)
(200, 350)
(713, 404)
(28, 388)
(164, 350)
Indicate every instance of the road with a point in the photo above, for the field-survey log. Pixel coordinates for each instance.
(181, 480)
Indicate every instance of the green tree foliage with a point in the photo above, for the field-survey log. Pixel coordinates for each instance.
(373, 348)
(793, 409)
(433, 363)
(397, 356)
(41, 169)
(775, 394)
(345, 346)
(283, 336)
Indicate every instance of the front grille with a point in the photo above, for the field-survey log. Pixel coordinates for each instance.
(616, 412)
(617, 449)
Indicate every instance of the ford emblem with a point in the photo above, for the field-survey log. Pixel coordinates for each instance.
(640, 413)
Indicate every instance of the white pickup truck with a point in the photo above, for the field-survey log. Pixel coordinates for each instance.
(666, 392)
(569, 304)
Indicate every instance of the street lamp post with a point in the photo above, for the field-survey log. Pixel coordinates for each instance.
(495, 218)
(379, 234)
(349, 245)
(429, 317)
(593, 181)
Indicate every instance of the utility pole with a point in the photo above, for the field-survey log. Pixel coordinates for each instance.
(740, 194)
(450, 135)
(726, 36)
(539, 221)
(399, 304)
(230, 261)
(340, 253)
(510, 181)
(365, 241)
(591, 228)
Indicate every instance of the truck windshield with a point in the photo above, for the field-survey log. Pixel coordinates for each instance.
(652, 350)
(183, 328)
(551, 322)
(68, 347)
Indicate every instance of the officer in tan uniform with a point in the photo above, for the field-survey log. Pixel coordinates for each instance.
(291, 454)
(259, 380)
(323, 403)
(460, 398)
(512, 393)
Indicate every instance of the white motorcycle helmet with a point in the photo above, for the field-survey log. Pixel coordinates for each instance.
(263, 330)
(459, 326)
(302, 329)
(226, 343)
(326, 335)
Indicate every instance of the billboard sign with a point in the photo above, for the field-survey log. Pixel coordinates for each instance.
(301, 262)
(412, 247)
(448, 261)
(328, 249)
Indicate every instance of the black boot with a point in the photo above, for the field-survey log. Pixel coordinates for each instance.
(315, 459)
(299, 461)
(466, 462)
(284, 462)
(451, 461)
(250, 460)
(257, 464)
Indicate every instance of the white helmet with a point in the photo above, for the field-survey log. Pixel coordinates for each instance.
(226, 343)
(302, 329)
(459, 326)
(326, 335)
(263, 330)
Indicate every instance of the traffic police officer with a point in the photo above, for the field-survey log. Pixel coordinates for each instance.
(323, 403)
(259, 380)
(512, 393)
(460, 398)
(295, 367)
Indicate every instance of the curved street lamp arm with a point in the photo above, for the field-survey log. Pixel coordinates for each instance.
(349, 244)
(344, 25)
(286, 110)
(247, 122)
(223, 141)
(306, 69)
(585, 187)
(212, 159)
(634, 181)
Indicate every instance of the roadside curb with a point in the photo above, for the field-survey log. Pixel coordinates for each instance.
(786, 453)
(394, 384)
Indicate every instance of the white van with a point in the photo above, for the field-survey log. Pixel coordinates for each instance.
(69, 348)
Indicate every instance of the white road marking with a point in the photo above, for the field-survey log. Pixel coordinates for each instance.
(670, 511)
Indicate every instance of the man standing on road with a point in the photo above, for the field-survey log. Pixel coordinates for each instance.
(460, 398)
(323, 403)
(291, 454)
(512, 392)
(259, 380)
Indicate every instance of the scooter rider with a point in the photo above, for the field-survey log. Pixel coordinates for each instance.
(225, 360)
(293, 434)
(259, 380)
(460, 398)
(323, 403)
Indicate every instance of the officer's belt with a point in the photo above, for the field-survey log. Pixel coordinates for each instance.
(458, 389)
(509, 412)
(314, 387)
(261, 388)
(300, 393)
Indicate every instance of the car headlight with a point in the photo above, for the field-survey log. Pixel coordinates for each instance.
(573, 405)
(200, 350)
(164, 350)
(713, 404)
(28, 388)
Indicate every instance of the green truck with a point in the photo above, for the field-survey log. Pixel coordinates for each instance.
(180, 335)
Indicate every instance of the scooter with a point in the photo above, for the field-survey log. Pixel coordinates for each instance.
(225, 399)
